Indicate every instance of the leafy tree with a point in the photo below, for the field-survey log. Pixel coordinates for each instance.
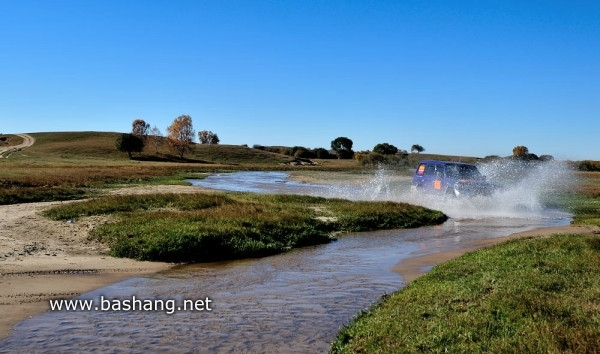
(129, 143)
(520, 151)
(418, 148)
(342, 147)
(181, 135)
(156, 138)
(322, 153)
(385, 149)
(140, 128)
(208, 137)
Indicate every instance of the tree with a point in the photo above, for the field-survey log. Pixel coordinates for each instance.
(181, 135)
(140, 128)
(520, 151)
(129, 143)
(208, 137)
(155, 138)
(418, 148)
(322, 153)
(385, 149)
(342, 147)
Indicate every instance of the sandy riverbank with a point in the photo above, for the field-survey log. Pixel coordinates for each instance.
(42, 259)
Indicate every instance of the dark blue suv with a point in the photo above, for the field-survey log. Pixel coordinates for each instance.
(450, 179)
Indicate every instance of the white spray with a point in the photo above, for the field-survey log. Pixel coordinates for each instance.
(522, 188)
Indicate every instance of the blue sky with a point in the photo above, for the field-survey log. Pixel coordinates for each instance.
(469, 78)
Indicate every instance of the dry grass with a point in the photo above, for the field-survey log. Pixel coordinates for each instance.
(589, 184)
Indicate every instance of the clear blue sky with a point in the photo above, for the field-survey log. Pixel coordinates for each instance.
(469, 78)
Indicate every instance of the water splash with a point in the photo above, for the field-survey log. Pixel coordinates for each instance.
(522, 190)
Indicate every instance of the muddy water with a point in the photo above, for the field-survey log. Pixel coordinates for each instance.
(295, 302)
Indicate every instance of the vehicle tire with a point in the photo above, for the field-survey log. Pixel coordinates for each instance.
(450, 194)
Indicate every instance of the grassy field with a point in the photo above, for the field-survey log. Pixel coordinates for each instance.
(200, 227)
(215, 226)
(533, 295)
(75, 165)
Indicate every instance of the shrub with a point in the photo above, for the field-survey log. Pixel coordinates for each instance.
(322, 153)
(588, 165)
(385, 149)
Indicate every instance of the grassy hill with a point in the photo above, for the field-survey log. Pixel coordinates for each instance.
(98, 148)
(72, 147)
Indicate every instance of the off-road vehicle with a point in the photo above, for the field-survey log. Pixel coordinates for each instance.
(455, 179)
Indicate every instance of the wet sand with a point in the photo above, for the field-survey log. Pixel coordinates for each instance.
(42, 259)
(28, 285)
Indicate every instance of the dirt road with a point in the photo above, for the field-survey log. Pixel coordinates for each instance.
(28, 140)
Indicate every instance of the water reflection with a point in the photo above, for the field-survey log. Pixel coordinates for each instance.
(257, 182)
(294, 302)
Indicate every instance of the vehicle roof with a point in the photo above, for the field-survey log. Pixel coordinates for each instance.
(445, 162)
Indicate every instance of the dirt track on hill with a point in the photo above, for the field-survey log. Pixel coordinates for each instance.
(6, 151)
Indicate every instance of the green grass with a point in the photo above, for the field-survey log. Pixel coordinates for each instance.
(216, 226)
(533, 295)
(536, 295)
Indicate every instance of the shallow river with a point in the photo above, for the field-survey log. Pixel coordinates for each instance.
(294, 302)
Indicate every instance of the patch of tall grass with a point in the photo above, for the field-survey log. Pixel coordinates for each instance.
(536, 295)
(34, 183)
(216, 226)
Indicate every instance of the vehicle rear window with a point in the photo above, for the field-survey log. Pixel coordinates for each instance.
(462, 172)
(434, 170)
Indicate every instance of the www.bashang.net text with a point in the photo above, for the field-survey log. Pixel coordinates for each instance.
(131, 304)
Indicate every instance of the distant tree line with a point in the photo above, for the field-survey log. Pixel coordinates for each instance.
(297, 151)
(181, 135)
